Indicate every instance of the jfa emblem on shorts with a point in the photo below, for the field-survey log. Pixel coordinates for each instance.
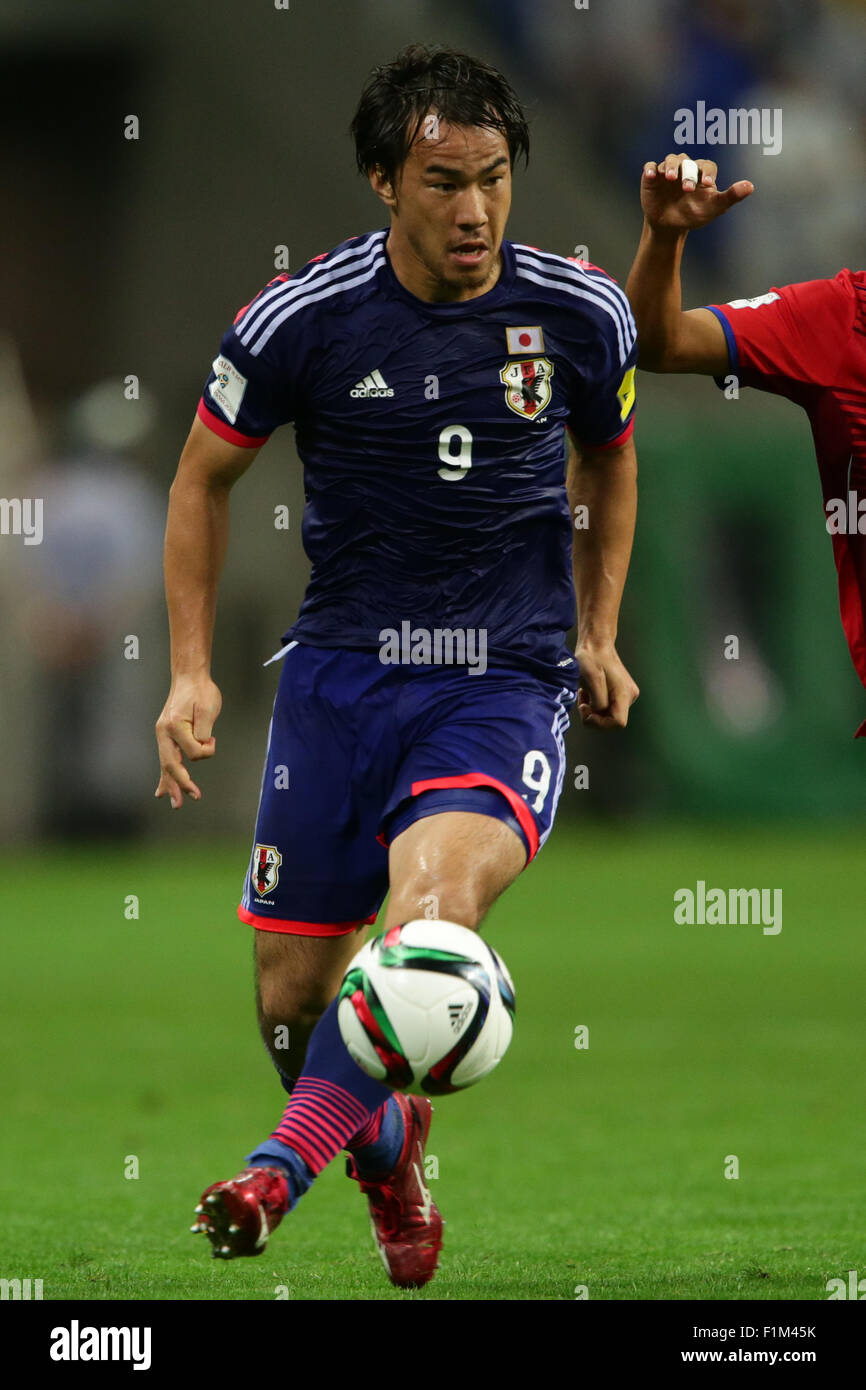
(527, 385)
(266, 868)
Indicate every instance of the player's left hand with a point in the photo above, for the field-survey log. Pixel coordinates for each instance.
(606, 691)
(673, 201)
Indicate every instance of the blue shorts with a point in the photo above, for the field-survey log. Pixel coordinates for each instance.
(358, 750)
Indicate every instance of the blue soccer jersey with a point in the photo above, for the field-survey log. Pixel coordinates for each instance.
(433, 440)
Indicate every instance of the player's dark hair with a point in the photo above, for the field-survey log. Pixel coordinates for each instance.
(458, 89)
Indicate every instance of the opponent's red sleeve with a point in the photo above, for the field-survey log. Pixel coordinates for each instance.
(790, 339)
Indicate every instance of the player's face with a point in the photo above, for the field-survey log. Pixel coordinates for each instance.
(449, 208)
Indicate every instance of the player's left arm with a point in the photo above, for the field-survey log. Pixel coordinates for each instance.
(677, 199)
(602, 495)
(601, 482)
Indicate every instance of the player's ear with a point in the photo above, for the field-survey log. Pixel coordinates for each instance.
(382, 186)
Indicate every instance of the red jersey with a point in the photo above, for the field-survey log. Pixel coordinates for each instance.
(808, 342)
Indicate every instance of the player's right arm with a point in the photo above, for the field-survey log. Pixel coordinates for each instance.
(196, 539)
(247, 396)
(669, 338)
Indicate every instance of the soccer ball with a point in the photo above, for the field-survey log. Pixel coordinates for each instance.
(426, 1008)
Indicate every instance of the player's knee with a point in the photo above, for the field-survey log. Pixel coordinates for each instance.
(457, 902)
(292, 1004)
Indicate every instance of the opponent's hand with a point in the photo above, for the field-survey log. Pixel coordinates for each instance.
(673, 202)
(606, 691)
(185, 730)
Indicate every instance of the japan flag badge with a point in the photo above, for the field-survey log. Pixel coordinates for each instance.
(524, 340)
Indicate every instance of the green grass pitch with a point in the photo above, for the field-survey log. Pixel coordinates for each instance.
(600, 1167)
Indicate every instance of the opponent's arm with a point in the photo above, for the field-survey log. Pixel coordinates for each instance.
(196, 538)
(670, 339)
(604, 481)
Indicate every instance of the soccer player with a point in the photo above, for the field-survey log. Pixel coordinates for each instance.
(431, 370)
(804, 341)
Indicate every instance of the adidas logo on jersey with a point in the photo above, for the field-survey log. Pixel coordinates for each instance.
(372, 385)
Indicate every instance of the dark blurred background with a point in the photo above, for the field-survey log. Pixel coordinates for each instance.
(124, 260)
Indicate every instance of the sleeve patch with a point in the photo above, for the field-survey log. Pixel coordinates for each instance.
(228, 388)
(626, 394)
(754, 303)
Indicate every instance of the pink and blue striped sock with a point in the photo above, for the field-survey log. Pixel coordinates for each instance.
(333, 1105)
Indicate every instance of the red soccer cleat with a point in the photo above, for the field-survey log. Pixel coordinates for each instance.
(238, 1216)
(407, 1227)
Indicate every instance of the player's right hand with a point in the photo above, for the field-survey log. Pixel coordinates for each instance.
(606, 691)
(185, 730)
(673, 202)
